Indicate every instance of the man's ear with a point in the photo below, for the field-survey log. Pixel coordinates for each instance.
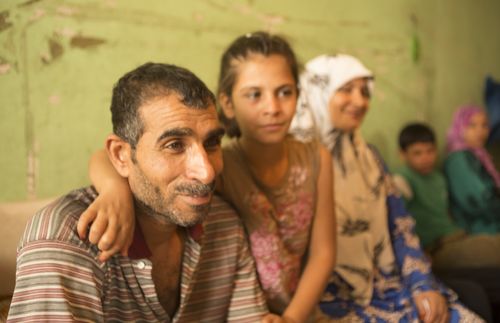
(226, 105)
(120, 154)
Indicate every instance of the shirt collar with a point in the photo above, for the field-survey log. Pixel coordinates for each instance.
(139, 249)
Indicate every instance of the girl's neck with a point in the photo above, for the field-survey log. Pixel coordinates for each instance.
(268, 162)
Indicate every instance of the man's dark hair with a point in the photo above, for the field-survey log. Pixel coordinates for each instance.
(147, 82)
(415, 133)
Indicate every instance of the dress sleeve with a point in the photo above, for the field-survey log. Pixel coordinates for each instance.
(413, 264)
(414, 267)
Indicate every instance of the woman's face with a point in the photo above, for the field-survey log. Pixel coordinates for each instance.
(263, 99)
(477, 131)
(349, 104)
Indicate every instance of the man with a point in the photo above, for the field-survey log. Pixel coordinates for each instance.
(189, 260)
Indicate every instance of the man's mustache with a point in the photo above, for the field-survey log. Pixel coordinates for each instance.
(198, 189)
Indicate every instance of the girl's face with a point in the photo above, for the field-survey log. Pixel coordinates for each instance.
(349, 104)
(477, 131)
(263, 98)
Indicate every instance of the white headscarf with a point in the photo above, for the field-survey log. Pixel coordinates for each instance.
(360, 189)
(323, 76)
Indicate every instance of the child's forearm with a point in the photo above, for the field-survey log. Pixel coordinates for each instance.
(322, 249)
(103, 175)
(311, 287)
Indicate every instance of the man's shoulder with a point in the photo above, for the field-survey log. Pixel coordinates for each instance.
(57, 221)
(221, 209)
(222, 215)
(433, 179)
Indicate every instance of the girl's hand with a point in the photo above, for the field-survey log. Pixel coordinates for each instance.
(432, 307)
(112, 221)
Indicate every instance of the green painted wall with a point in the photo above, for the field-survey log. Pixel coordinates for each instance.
(59, 60)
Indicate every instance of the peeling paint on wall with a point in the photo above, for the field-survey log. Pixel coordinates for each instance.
(86, 42)
(198, 17)
(4, 68)
(66, 11)
(4, 21)
(37, 15)
(66, 32)
(54, 99)
(45, 57)
(28, 3)
(43, 43)
(111, 3)
(56, 49)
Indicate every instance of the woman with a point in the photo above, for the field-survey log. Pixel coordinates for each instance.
(381, 271)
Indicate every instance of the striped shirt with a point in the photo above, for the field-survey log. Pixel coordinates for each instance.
(59, 279)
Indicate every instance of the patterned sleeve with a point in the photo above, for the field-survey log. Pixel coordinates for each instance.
(413, 264)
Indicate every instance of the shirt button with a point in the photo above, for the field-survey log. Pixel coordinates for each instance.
(141, 265)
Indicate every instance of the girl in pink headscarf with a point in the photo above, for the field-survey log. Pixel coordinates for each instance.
(472, 178)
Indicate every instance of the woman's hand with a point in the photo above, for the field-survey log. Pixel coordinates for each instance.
(432, 307)
(273, 318)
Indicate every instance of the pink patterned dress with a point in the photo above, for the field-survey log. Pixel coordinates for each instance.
(278, 220)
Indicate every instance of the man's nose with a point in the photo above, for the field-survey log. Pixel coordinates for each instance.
(199, 166)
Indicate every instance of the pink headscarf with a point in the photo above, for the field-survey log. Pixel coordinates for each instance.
(456, 142)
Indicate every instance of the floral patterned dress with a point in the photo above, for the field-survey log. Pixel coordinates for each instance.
(278, 220)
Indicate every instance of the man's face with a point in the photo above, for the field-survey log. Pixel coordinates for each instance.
(421, 157)
(176, 160)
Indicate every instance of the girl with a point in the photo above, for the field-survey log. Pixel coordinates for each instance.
(381, 273)
(281, 188)
(472, 177)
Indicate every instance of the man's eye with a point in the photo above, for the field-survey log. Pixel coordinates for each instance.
(213, 143)
(176, 146)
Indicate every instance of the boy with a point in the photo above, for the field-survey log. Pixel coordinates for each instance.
(426, 195)
(454, 253)
(424, 187)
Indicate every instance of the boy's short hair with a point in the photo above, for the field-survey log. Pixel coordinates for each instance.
(414, 133)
